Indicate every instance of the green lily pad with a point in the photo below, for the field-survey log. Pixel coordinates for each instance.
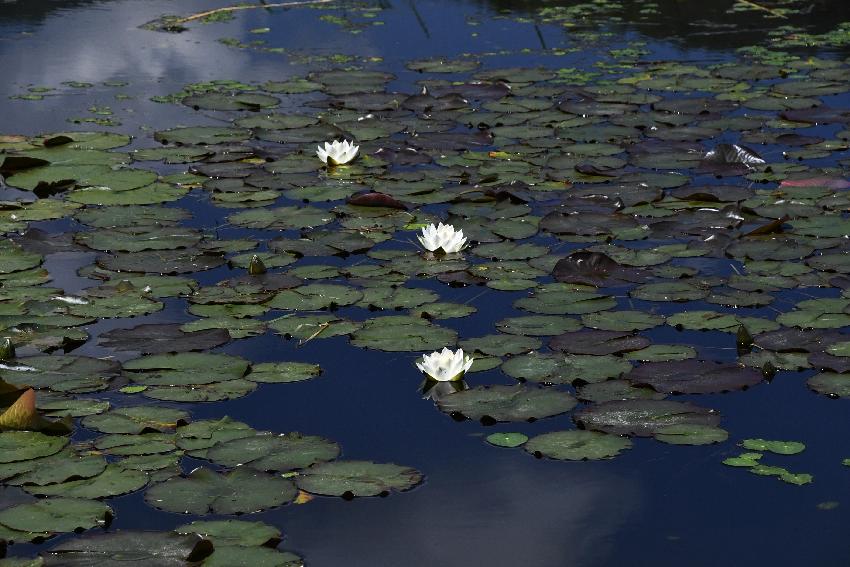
(207, 492)
(507, 403)
(25, 445)
(577, 445)
(113, 481)
(165, 549)
(401, 333)
(691, 434)
(778, 447)
(642, 418)
(137, 419)
(357, 478)
(272, 452)
(232, 532)
(509, 440)
(56, 515)
(280, 372)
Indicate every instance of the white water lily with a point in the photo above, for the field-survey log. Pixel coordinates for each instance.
(442, 237)
(445, 365)
(337, 153)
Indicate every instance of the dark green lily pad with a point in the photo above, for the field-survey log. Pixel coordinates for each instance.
(694, 376)
(159, 339)
(56, 515)
(113, 481)
(207, 492)
(272, 452)
(577, 445)
(642, 418)
(151, 549)
(691, 434)
(507, 403)
(357, 478)
(233, 532)
(137, 419)
(830, 384)
(400, 333)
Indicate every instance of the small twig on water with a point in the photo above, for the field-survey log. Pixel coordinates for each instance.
(770, 11)
(208, 13)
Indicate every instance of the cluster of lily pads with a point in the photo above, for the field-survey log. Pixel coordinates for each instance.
(594, 210)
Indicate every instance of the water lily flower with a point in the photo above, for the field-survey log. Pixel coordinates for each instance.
(442, 237)
(337, 153)
(445, 365)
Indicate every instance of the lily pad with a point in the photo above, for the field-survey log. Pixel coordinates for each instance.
(507, 403)
(577, 445)
(357, 478)
(642, 418)
(207, 492)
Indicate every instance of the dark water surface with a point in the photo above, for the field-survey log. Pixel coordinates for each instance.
(656, 504)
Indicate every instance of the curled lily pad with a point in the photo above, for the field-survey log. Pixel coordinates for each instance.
(507, 403)
(357, 478)
(577, 445)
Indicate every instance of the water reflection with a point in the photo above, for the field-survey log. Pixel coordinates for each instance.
(434, 390)
(515, 511)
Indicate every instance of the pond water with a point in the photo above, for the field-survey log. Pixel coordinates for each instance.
(550, 132)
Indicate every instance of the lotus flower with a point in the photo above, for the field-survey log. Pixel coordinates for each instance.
(445, 365)
(337, 153)
(442, 237)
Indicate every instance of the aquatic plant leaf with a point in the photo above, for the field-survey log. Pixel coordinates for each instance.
(357, 478)
(241, 556)
(830, 384)
(642, 418)
(207, 492)
(233, 532)
(507, 403)
(615, 390)
(56, 515)
(778, 447)
(591, 341)
(694, 376)
(198, 436)
(272, 452)
(113, 481)
(137, 419)
(401, 333)
(538, 325)
(691, 434)
(281, 372)
(577, 445)
(149, 549)
(508, 440)
(162, 338)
